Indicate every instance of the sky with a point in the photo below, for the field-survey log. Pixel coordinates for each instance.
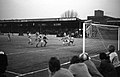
(30, 9)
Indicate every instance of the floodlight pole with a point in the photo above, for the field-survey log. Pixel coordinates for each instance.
(118, 38)
(83, 37)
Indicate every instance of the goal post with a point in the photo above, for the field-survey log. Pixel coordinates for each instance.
(118, 38)
(84, 37)
(103, 29)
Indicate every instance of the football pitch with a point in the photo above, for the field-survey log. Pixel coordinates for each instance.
(28, 61)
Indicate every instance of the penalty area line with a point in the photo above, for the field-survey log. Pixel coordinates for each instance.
(20, 75)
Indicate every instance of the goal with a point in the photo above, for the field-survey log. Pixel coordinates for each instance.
(99, 36)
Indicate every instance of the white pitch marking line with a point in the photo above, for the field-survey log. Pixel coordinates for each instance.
(47, 68)
(33, 72)
(65, 63)
(40, 70)
(96, 60)
(13, 72)
(95, 55)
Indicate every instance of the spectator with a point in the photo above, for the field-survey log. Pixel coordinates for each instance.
(55, 69)
(113, 55)
(106, 67)
(3, 63)
(114, 58)
(91, 66)
(78, 68)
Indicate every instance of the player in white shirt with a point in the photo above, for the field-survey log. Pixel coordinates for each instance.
(40, 40)
(30, 39)
(71, 40)
(65, 40)
(36, 36)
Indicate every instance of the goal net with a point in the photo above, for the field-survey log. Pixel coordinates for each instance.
(97, 37)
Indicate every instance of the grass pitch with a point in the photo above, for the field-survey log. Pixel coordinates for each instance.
(29, 61)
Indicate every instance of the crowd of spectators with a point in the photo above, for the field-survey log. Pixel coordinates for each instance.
(83, 66)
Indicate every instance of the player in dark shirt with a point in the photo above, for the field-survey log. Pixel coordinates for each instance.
(45, 40)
